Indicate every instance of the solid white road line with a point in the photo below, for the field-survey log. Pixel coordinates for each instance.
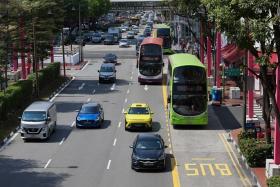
(85, 66)
(113, 87)
(62, 141)
(9, 141)
(127, 91)
(88, 99)
(119, 124)
(51, 100)
(108, 165)
(82, 86)
(72, 125)
(125, 100)
(115, 141)
(49, 161)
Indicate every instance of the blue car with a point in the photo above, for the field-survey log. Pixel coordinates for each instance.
(90, 115)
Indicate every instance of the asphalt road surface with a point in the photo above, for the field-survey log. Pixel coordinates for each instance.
(101, 157)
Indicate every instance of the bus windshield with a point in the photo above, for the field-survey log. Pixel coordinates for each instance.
(164, 33)
(150, 63)
(189, 95)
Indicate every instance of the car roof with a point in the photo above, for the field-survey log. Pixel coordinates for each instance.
(90, 104)
(138, 105)
(148, 136)
(107, 65)
(39, 106)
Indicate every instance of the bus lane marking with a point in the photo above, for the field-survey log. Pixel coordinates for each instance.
(237, 167)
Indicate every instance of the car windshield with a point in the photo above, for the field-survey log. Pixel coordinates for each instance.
(110, 56)
(89, 110)
(138, 110)
(106, 69)
(96, 35)
(123, 40)
(34, 116)
(149, 144)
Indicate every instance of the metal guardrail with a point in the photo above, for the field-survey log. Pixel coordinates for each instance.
(67, 50)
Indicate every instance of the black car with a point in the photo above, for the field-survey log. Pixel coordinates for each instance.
(148, 152)
(109, 40)
(110, 58)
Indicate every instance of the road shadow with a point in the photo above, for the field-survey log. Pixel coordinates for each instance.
(122, 82)
(70, 106)
(156, 126)
(20, 172)
(230, 117)
(105, 125)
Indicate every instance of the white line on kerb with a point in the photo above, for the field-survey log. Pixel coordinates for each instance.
(119, 124)
(85, 66)
(49, 161)
(72, 125)
(108, 165)
(62, 141)
(51, 100)
(115, 141)
(125, 100)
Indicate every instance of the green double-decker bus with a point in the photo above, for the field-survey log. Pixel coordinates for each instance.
(163, 31)
(187, 90)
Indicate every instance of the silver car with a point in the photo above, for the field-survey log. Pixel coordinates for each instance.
(107, 73)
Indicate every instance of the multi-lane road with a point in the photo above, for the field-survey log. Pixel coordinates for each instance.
(101, 157)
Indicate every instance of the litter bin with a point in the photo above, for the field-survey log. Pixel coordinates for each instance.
(216, 94)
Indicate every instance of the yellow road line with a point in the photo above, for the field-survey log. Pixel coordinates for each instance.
(237, 167)
(175, 173)
(236, 159)
(211, 159)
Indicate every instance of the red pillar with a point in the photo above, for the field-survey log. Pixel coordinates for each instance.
(209, 56)
(201, 43)
(21, 33)
(15, 58)
(52, 53)
(29, 60)
(250, 91)
(276, 126)
(218, 59)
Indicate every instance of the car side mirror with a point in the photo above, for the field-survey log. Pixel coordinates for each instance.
(49, 118)
(131, 146)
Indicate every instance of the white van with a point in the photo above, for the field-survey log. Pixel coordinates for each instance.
(38, 120)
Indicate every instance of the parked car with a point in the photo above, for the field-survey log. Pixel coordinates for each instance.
(123, 43)
(96, 38)
(38, 120)
(148, 152)
(109, 40)
(110, 58)
(90, 115)
(107, 72)
(138, 116)
(130, 35)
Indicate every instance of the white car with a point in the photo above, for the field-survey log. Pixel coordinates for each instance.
(123, 43)
(130, 35)
(135, 29)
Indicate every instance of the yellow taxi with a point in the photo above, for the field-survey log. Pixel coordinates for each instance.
(138, 115)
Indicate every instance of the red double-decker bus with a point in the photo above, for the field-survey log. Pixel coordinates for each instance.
(150, 61)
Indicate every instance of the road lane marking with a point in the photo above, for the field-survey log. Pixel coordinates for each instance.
(72, 125)
(123, 110)
(169, 140)
(168, 134)
(93, 92)
(85, 66)
(240, 174)
(49, 161)
(52, 99)
(62, 141)
(208, 159)
(108, 165)
(113, 87)
(131, 77)
(82, 86)
(170, 146)
(9, 141)
(119, 124)
(88, 100)
(175, 173)
(146, 87)
(125, 100)
(127, 91)
(115, 141)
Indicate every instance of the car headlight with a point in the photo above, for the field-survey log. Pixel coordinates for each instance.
(162, 157)
(44, 129)
(98, 118)
(78, 118)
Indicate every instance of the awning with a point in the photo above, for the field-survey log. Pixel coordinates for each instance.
(231, 53)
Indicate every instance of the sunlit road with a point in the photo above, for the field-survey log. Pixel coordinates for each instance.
(101, 157)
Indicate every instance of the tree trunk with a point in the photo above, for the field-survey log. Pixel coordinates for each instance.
(266, 116)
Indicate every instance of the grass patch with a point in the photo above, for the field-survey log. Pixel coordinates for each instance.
(7, 126)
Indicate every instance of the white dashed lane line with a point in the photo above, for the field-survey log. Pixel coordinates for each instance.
(49, 161)
(125, 100)
(72, 125)
(88, 99)
(82, 86)
(108, 165)
(119, 124)
(62, 141)
(115, 141)
(127, 91)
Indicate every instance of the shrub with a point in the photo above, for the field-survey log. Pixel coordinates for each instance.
(273, 181)
(255, 152)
